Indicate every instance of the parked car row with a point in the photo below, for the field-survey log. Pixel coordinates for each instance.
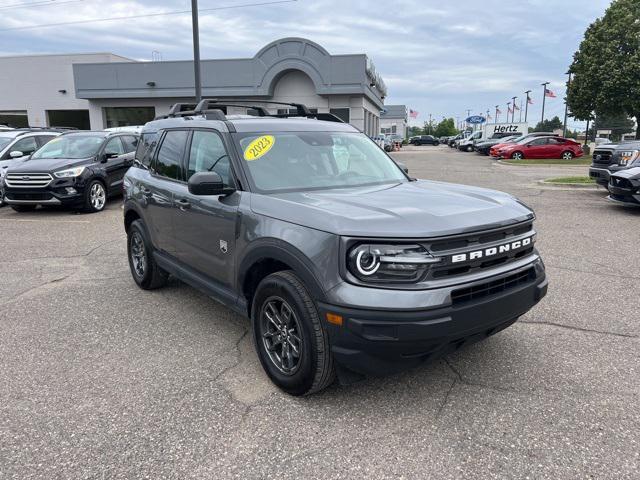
(617, 168)
(78, 169)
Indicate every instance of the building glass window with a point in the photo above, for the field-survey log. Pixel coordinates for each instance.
(341, 113)
(127, 116)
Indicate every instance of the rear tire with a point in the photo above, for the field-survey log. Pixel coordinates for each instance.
(290, 338)
(567, 155)
(24, 208)
(144, 269)
(517, 155)
(469, 148)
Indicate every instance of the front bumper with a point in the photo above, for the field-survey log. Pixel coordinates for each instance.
(67, 192)
(601, 174)
(380, 342)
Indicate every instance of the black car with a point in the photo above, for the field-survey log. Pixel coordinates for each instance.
(79, 169)
(345, 265)
(425, 140)
(609, 159)
(624, 186)
(485, 147)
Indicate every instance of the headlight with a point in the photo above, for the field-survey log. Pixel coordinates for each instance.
(628, 157)
(375, 263)
(69, 173)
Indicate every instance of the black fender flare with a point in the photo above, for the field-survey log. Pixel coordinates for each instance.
(279, 250)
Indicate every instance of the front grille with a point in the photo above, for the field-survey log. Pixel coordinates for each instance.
(29, 196)
(28, 180)
(481, 251)
(493, 287)
(602, 157)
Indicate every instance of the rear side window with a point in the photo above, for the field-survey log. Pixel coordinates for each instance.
(25, 145)
(170, 154)
(146, 147)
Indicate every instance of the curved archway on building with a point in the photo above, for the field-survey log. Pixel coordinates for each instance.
(283, 56)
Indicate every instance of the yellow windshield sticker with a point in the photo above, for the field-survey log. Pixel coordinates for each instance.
(259, 147)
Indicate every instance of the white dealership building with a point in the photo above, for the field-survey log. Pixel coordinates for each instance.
(102, 90)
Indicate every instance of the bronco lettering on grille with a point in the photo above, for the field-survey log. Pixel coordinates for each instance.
(490, 252)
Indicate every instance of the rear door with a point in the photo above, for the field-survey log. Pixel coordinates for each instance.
(555, 147)
(205, 227)
(114, 162)
(166, 176)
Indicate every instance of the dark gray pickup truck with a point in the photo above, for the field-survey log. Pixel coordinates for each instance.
(343, 263)
(609, 159)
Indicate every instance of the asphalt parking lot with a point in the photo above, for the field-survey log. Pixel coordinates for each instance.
(101, 380)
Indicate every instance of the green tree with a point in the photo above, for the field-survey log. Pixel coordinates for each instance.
(549, 125)
(414, 131)
(606, 77)
(445, 128)
(619, 124)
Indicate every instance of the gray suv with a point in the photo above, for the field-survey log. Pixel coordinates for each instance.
(344, 264)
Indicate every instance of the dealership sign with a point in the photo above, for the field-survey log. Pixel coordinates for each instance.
(475, 119)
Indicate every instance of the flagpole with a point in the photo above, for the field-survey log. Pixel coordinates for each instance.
(526, 107)
(520, 114)
(508, 110)
(497, 113)
(544, 96)
(513, 112)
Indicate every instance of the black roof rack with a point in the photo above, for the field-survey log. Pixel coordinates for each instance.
(216, 109)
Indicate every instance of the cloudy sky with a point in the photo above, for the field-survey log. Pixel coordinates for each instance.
(437, 57)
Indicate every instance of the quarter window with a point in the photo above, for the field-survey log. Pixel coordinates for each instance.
(170, 154)
(208, 154)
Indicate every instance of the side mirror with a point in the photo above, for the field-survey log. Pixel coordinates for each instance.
(16, 154)
(108, 156)
(207, 183)
(403, 167)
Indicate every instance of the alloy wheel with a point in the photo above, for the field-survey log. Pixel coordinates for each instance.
(138, 255)
(281, 335)
(567, 156)
(517, 156)
(97, 196)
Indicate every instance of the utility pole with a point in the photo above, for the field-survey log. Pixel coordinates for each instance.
(544, 96)
(513, 112)
(196, 50)
(497, 110)
(566, 107)
(526, 106)
(429, 124)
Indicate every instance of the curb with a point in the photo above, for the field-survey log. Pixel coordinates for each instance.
(500, 162)
(579, 186)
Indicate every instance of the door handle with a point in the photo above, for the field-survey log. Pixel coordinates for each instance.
(183, 204)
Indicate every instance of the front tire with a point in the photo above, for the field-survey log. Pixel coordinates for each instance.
(469, 148)
(95, 197)
(144, 269)
(517, 155)
(290, 338)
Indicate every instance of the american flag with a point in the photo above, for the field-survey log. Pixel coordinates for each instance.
(516, 107)
(498, 111)
(413, 113)
(549, 93)
(529, 101)
(489, 117)
(509, 110)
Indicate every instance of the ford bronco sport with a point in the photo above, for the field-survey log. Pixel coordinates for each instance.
(344, 264)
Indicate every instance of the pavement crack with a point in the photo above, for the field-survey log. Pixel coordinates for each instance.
(470, 383)
(37, 287)
(236, 347)
(578, 329)
(446, 397)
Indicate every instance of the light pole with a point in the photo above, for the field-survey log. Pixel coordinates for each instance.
(526, 106)
(497, 110)
(508, 110)
(196, 50)
(544, 96)
(513, 112)
(566, 107)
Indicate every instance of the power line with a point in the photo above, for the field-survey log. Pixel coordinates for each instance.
(38, 3)
(160, 14)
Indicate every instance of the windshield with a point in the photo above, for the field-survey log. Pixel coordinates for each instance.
(290, 161)
(70, 146)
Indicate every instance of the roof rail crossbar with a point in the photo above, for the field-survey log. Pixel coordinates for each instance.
(209, 103)
(327, 117)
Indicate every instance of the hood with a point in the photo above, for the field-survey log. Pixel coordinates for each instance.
(632, 173)
(417, 209)
(621, 147)
(49, 164)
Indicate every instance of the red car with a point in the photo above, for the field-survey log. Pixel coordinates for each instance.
(541, 147)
